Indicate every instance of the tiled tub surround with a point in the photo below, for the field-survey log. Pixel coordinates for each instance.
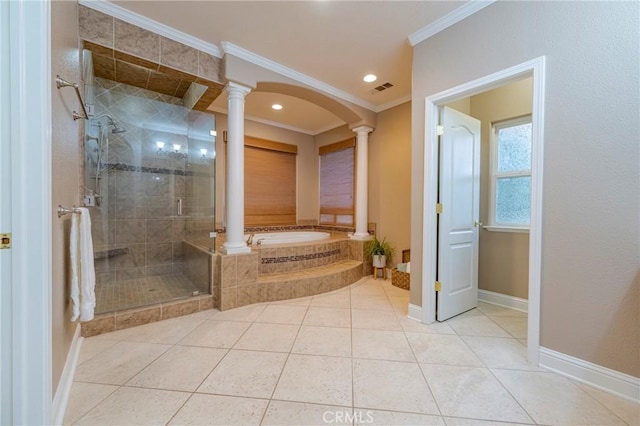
(237, 280)
(296, 257)
(289, 271)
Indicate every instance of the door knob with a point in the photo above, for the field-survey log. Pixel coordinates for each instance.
(477, 224)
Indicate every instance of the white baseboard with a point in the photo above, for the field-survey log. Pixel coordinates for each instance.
(503, 300)
(594, 375)
(61, 398)
(415, 312)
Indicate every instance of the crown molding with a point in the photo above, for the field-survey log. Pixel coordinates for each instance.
(254, 58)
(448, 20)
(133, 18)
(279, 125)
(148, 24)
(393, 103)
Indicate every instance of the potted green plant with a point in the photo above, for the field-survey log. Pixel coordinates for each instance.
(378, 251)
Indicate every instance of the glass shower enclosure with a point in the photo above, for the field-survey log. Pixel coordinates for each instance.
(149, 174)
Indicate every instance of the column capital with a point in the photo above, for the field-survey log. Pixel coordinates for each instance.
(233, 88)
(362, 130)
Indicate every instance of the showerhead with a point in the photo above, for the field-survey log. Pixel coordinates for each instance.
(112, 122)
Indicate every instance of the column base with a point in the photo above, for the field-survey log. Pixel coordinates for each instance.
(361, 236)
(235, 249)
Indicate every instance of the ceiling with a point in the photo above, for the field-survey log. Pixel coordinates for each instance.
(334, 42)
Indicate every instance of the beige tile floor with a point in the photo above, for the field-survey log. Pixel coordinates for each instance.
(127, 294)
(328, 359)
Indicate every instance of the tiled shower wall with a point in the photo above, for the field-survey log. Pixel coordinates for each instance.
(140, 189)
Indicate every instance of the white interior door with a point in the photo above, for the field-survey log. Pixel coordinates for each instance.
(458, 224)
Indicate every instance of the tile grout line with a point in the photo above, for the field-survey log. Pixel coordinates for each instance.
(512, 396)
(98, 403)
(496, 377)
(417, 363)
(397, 314)
(501, 327)
(120, 386)
(284, 365)
(424, 377)
(190, 393)
(212, 369)
(600, 402)
(353, 378)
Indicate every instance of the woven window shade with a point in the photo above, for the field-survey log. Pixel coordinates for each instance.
(269, 187)
(337, 183)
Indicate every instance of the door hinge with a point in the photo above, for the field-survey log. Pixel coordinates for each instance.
(438, 286)
(440, 130)
(5, 241)
(438, 208)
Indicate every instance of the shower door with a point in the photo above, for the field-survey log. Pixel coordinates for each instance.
(148, 181)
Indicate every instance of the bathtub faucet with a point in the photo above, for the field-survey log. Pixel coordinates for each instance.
(259, 242)
(250, 239)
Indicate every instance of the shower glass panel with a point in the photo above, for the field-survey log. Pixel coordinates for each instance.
(149, 181)
(200, 182)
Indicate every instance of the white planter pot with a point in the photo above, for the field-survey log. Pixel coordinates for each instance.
(379, 261)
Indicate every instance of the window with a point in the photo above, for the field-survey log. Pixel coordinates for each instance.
(511, 174)
(269, 182)
(337, 166)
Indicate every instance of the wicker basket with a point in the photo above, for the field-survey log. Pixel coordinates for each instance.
(400, 279)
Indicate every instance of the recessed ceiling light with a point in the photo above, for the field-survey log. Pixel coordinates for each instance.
(370, 78)
(277, 107)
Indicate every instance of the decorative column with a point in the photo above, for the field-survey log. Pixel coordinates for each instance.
(235, 242)
(362, 182)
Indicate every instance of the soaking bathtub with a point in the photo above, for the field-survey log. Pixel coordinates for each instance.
(271, 238)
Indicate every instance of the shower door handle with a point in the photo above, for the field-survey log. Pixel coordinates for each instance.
(179, 206)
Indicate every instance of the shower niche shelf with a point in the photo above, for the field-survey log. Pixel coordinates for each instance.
(110, 253)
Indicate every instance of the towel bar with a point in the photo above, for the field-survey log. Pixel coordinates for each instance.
(62, 211)
(60, 83)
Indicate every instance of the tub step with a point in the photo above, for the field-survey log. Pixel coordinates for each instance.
(336, 268)
(294, 284)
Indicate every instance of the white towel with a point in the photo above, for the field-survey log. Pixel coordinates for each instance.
(83, 274)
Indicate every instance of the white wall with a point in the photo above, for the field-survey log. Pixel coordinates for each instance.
(591, 226)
